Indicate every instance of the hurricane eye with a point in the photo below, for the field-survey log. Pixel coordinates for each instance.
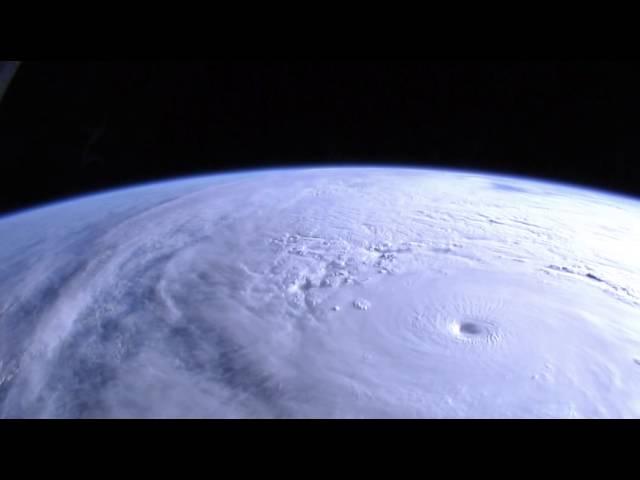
(470, 328)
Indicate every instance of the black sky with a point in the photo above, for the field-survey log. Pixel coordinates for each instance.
(73, 127)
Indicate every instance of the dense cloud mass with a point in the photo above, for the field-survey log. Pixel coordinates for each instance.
(343, 292)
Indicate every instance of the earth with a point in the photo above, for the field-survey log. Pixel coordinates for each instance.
(324, 293)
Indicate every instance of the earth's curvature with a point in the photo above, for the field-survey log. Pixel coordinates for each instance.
(314, 293)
